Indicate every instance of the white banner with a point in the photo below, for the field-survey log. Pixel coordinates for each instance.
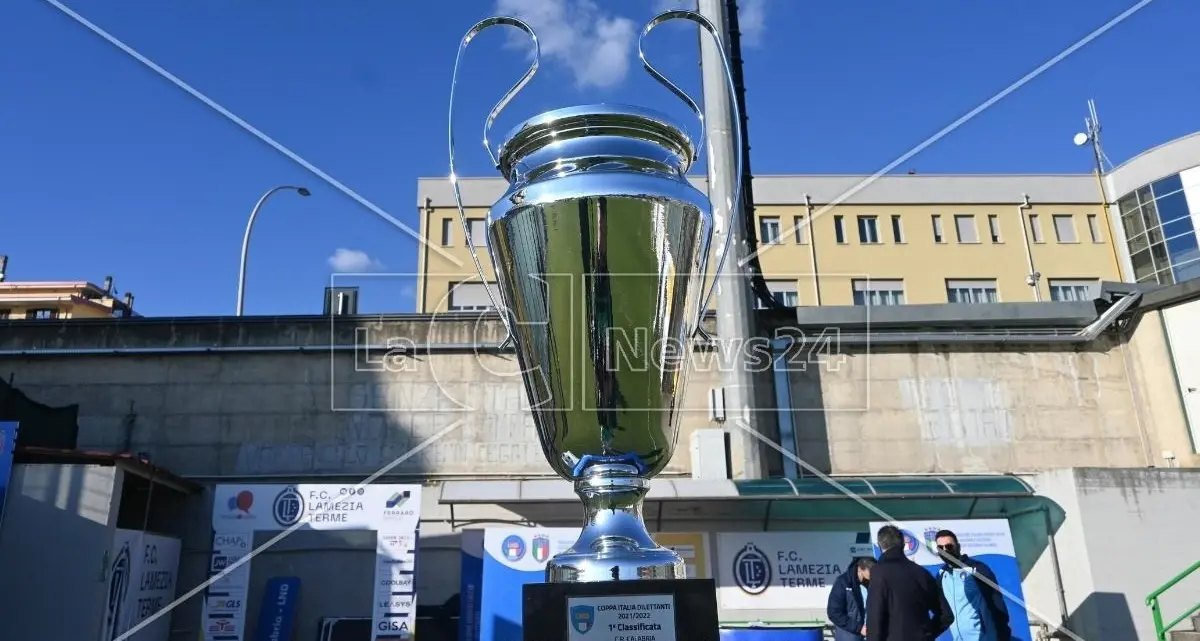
(142, 572)
(781, 570)
(240, 510)
(317, 507)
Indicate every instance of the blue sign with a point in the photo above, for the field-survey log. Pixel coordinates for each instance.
(8, 442)
(496, 564)
(278, 614)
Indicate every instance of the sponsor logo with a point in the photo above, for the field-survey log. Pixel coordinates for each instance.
(398, 584)
(583, 617)
(395, 603)
(223, 605)
(222, 625)
(396, 506)
(231, 542)
(911, 544)
(219, 563)
(752, 570)
(239, 505)
(397, 500)
(540, 548)
(400, 627)
(288, 507)
(513, 548)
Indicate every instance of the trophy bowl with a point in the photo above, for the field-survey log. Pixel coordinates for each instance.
(600, 246)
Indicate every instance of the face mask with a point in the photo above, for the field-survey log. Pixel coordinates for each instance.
(950, 551)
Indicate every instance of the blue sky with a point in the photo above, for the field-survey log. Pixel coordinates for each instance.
(106, 168)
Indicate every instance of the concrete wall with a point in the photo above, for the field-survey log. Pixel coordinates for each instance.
(204, 412)
(984, 409)
(1124, 533)
(57, 531)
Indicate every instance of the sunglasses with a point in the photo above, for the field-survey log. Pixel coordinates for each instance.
(947, 547)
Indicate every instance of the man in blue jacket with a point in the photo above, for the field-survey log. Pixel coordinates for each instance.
(970, 588)
(847, 607)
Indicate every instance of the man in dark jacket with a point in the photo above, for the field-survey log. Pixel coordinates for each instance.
(847, 601)
(904, 601)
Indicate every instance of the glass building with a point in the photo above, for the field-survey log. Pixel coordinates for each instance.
(1157, 202)
(1160, 232)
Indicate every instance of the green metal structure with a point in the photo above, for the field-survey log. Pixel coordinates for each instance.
(1160, 630)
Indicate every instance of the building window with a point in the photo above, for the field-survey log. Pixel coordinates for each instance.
(478, 228)
(1094, 228)
(41, 314)
(784, 292)
(1035, 228)
(868, 230)
(878, 292)
(470, 297)
(801, 230)
(994, 228)
(938, 237)
(964, 227)
(768, 230)
(897, 230)
(972, 291)
(1065, 289)
(447, 231)
(1064, 228)
(839, 230)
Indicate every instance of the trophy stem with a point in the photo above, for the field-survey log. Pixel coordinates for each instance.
(614, 544)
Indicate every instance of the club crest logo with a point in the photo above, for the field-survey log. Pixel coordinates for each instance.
(752, 570)
(911, 544)
(513, 548)
(540, 547)
(583, 617)
(931, 539)
(118, 590)
(288, 508)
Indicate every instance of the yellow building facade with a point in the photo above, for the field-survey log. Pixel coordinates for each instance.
(847, 240)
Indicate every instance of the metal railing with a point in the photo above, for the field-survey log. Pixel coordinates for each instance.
(1160, 630)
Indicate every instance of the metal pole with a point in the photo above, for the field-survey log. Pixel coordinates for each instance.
(734, 306)
(241, 291)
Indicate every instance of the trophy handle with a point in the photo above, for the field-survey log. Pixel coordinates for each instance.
(734, 204)
(487, 128)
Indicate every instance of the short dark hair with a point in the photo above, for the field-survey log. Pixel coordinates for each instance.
(942, 534)
(864, 563)
(888, 537)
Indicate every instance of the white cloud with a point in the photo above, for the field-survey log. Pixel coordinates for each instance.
(353, 261)
(752, 17)
(593, 44)
(752, 21)
(671, 5)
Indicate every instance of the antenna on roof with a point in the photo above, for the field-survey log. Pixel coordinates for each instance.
(1091, 134)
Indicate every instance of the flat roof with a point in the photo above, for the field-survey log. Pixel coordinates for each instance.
(891, 189)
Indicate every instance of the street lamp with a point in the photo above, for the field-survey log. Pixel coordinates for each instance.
(241, 292)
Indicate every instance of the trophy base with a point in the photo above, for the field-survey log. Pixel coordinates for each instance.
(614, 544)
(615, 563)
(649, 610)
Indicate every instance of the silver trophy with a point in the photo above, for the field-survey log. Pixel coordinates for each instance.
(600, 247)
